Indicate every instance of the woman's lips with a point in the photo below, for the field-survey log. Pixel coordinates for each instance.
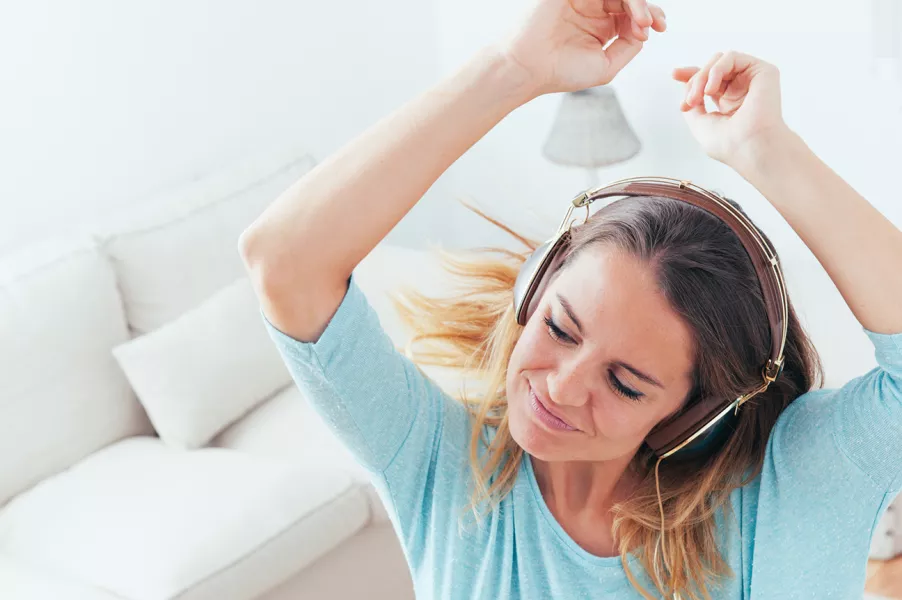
(543, 414)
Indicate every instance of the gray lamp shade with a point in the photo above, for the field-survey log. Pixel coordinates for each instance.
(590, 130)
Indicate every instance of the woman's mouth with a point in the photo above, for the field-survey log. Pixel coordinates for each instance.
(541, 412)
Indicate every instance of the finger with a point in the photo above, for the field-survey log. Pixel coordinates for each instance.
(719, 77)
(638, 9)
(695, 92)
(698, 111)
(660, 20)
(725, 69)
(628, 28)
(625, 27)
(686, 108)
(657, 16)
(684, 74)
(620, 52)
(716, 99)
(620, 9)
(704, 125)
(696, 115)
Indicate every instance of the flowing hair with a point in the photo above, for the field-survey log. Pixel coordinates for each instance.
(707, 276)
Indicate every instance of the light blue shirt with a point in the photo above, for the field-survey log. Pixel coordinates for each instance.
(802, 528)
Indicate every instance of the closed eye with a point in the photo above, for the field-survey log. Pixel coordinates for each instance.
(622, 389)
(556, 332)
(560, 335)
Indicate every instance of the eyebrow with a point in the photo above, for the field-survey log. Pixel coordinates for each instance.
(568, 308)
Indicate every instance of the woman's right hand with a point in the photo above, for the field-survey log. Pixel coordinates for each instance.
(561, 43)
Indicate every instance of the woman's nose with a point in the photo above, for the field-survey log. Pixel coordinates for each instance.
(569, 386)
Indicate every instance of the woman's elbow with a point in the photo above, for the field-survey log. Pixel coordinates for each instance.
(256, 261)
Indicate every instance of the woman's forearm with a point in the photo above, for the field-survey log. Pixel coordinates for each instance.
(330, 219)
(859, 248)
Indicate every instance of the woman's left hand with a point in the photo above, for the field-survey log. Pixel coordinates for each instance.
(746, 91)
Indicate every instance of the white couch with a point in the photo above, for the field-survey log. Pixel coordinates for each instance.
(230, 486)
(153, 446)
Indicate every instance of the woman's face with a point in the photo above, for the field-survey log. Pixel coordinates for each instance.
(572, 398)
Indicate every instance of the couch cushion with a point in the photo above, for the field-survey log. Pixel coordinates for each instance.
(22, 581)
(62, 396)
(184, 248)
(147, 521)
(199, 373)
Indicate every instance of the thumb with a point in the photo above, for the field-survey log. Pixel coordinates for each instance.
(704, 125)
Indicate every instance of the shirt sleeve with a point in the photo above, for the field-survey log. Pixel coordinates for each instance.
(369, 394)
(846, 434)
(868, 415)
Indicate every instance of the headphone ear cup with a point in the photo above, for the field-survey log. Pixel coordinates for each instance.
(534, 274)
(710, 441)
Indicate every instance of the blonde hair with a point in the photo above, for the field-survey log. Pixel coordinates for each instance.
(706, 274)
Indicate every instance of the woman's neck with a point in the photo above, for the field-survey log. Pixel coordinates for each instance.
(582, 489)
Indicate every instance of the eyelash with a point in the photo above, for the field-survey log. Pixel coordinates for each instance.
(558, 334)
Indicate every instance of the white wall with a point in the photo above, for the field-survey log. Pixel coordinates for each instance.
(105, 102)
(831, 97)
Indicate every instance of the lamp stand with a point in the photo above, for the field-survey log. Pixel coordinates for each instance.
(592, 180)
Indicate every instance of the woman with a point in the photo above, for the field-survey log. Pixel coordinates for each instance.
(657, 304)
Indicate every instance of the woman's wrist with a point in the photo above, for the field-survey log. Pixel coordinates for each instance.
(760, 155)
(509, 78)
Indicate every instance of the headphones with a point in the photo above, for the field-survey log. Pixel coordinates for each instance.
(703, 426)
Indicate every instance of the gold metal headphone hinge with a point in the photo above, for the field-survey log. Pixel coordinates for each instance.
(773, 369)
(581, 200)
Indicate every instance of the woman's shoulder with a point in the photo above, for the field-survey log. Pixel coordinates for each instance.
(807, 417)
(812, 409)
(808, 448)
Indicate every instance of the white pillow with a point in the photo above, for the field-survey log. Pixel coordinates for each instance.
(62, 395)
(206, 369)
(184, 247)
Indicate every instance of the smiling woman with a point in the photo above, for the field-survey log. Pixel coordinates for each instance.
(630, 330)
(564, 434)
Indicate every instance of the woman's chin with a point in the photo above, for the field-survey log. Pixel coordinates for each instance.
(534, 439)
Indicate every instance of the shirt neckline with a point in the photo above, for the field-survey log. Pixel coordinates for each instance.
(606, 562)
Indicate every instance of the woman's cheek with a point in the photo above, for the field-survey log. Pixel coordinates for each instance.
(613, 421)
(531, 347)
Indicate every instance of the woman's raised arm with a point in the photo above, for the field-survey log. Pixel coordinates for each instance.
(301, 251)
(860, 248)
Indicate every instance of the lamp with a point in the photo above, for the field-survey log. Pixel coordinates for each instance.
(591, 131)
